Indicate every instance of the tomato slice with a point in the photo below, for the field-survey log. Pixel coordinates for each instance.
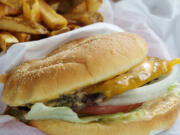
(98, 110)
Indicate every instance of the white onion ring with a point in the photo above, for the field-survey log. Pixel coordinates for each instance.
(144, 93)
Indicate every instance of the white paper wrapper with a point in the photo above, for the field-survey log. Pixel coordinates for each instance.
(10, 126)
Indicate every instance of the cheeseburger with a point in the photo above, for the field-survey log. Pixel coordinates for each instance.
(98, 85)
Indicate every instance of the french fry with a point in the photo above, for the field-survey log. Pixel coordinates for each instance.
(73, 26)
(50, 18)
(97, 17)
(84, 18)
(6, 10)
(17, 24)
(66, 6)
(12, 3)
(85, 13)
(31, 10)
(3, 78)
(93, 5)
(54, 5)
(80, 8)
(22, 37)
(6, 40)
(62, 30)
(81, 19)
(33, 19)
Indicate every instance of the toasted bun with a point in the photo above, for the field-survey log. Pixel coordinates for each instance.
(163, 116)
(73, 66)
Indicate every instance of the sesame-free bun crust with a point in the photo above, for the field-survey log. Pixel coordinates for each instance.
(73, 66)
(163, 117)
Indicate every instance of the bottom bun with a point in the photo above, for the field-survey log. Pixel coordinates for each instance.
(163, 117)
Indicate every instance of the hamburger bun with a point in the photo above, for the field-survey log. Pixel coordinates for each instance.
(79, 64)
(160, 115)
(73, 66)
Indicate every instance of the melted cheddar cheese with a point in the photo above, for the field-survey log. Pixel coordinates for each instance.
(143, 73)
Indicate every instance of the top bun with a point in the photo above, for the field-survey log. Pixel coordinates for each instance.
(73, 66)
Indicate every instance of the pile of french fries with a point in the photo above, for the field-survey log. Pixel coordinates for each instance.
(27, 20)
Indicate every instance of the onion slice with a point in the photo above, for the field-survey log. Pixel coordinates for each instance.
(146, 92)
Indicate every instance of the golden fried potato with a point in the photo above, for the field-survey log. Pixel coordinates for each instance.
(62, 30)
(85, 13)
(84, 18)
(22, 37)
(17, 24)
(7, 10)
(50, 18)
(73, 26)
(33, 19)
(66, 6)
(54, 4)
(96, 17)
(31, 10)
(93, 5)
(12, 3)
(80, 8)
(6, 40)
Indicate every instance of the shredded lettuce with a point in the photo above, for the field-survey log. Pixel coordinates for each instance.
(170, 88)
(39, 111)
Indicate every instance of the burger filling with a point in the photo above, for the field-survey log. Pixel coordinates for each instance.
(88, 100)
(77, 101)
(147, 110)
